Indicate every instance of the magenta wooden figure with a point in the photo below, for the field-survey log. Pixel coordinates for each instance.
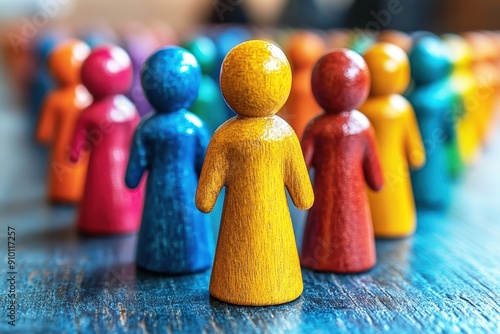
(340, 146)
(106, 129)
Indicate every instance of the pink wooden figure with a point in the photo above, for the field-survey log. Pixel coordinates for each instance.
(106, 129)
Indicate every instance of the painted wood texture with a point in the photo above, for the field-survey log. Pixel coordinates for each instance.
(340, 146)
(168, 149)
(446, 278)
(255, 155)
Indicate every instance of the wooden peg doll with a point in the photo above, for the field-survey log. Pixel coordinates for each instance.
(432, 100)
(58, 118)
(255, 155)
(340, 146)
(399, 142)
(106, 128)
(303, 49)
(175, 238)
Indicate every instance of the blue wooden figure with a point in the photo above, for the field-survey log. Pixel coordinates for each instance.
(174, 238)
(43, 81)
(432, 100)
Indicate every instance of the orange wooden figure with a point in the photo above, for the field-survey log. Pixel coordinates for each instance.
(399, 142)
(58, 118)
(397, 38)
(255, 155)
(303, 49)
(340, 146)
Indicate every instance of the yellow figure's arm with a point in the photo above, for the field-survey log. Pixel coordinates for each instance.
(213, 176)
(46, 124)
(297, 179)
(413, 142)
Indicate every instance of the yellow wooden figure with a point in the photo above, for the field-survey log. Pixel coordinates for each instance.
(487, 80)
(464, 84)
(255, 155)
(398, 140)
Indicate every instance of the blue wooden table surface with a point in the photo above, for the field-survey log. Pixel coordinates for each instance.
(444, 279)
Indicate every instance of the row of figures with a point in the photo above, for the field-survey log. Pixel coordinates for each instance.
(374, 153)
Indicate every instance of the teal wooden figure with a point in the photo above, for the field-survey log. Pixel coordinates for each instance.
(175, 238)
(209, 105)
(432, 100)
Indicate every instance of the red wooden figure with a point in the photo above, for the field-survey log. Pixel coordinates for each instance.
(106, 128)
(340, 146)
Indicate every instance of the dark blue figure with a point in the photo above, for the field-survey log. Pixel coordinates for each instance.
(175, 238)
(42, 81)
(432, 100)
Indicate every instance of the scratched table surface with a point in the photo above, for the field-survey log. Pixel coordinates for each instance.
(444, 279)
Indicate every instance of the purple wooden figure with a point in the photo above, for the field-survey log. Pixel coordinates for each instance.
(139, 42)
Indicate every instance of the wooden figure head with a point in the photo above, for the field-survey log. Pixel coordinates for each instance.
(170, 79)
(255, 79)
(304, 48)
(66, 60)
(389, 69)
(340, 81)
(429, 59)
(107, 71)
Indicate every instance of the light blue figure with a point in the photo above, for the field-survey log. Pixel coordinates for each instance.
(209, 105)
(174, 238)
(432, 100)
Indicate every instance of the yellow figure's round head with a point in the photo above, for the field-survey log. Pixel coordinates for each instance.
(389, 69)
(460, 51)
(255, 79)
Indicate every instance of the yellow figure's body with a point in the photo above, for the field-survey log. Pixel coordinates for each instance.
(464, 84)
(255, 155)
(398, 141)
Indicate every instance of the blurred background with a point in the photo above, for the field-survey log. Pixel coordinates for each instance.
(438, 15)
